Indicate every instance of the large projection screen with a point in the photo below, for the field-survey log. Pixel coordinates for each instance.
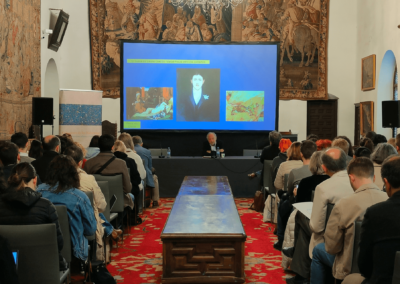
(199, 86)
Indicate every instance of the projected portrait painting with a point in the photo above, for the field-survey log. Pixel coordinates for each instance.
(245, 106)
(198, 94)
(149, 103)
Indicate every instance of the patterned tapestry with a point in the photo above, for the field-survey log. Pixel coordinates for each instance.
(19, 64)
(301, 27)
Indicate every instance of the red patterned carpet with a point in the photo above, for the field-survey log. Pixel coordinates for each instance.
(139, 259)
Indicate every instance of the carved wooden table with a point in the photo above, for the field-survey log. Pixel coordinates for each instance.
(203, 238)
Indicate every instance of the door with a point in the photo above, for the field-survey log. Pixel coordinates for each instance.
(322, 118)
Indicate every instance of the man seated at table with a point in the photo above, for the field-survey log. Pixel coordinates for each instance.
(212, 144)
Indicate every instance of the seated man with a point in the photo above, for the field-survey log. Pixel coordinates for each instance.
(151, 179)
(380, 232)
(21, 140)
(116, 166)
(285, 208)
(344, 145)
(211, 144)
(89, 184)
(52, 148)
(337, 251)
(9, 157)
(309, 233)
(272, 150)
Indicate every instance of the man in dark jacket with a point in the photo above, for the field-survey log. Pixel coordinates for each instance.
(380, 232)
(51, 147)
(271, 151)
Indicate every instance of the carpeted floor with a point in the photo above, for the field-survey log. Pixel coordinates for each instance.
(139, 259)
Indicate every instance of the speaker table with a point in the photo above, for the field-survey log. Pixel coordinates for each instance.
(172, 171)
(203, 239)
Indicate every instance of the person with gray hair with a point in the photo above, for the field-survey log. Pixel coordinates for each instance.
(151, 179)
(212, 144)
(272, 150)
(310, 232)
(381, 152)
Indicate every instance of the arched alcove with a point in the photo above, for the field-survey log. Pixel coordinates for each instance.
(51, 90)
(385, 90)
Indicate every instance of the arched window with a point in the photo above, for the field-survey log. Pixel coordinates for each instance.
(395, 94)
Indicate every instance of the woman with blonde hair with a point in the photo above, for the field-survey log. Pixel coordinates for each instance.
(130, 151)
(293, 162)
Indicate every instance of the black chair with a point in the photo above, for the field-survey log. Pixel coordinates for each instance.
(66, 252)
(396, 270)
(356, 247)
(105, 190)
(268, 182)
(38, 252)
(251, 152)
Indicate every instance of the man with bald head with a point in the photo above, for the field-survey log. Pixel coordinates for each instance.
(309, 233)
(51, 146)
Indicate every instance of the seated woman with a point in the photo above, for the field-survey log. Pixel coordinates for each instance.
(307, 185)
(22, 205)
(88, 184)
(62, 188)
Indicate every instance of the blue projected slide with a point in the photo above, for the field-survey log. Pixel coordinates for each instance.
(199, 86)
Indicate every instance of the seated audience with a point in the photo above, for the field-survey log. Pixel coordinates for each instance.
(293, 162)
(116, 166)
(93, 149)
(392, 141)
(337, 251)
(88, 184)
(398, 143)
(362, 152)
(62, 188)
(380, 232)
(272, 150)
(68, 136)
(212, 144)
(285, 207)
(381, 152)
(307, 185)
(36, 150)
(84, 152)
(371, 135)
(51, 147)
(350, 152)
(21, 140)
(367, 143)
(309, 233)
(312, 137)
(344, 145)
(21, 204)
(151, 178)
(119, 151)
(130, 151)
(9, 157)
(64, 143)
(323, 144)
(379, 138)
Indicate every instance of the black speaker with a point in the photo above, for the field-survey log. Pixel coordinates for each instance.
(42, 111)
(391, 114)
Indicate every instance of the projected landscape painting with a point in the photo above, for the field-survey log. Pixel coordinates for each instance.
(245, 106)
(149, 103)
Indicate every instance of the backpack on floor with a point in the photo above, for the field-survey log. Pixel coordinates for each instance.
(258, 203)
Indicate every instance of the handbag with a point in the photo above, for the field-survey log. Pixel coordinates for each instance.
(258, 204)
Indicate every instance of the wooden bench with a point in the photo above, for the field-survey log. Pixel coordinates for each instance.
(203, 238)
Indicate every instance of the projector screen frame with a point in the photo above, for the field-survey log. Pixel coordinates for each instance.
(138, 131)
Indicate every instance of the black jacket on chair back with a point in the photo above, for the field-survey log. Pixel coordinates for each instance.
(42, 164)
(27, 207)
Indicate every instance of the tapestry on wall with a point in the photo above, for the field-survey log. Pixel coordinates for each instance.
(301, 27)
(19, 64)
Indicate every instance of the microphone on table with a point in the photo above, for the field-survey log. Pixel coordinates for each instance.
(161, 156)
(258, 154)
